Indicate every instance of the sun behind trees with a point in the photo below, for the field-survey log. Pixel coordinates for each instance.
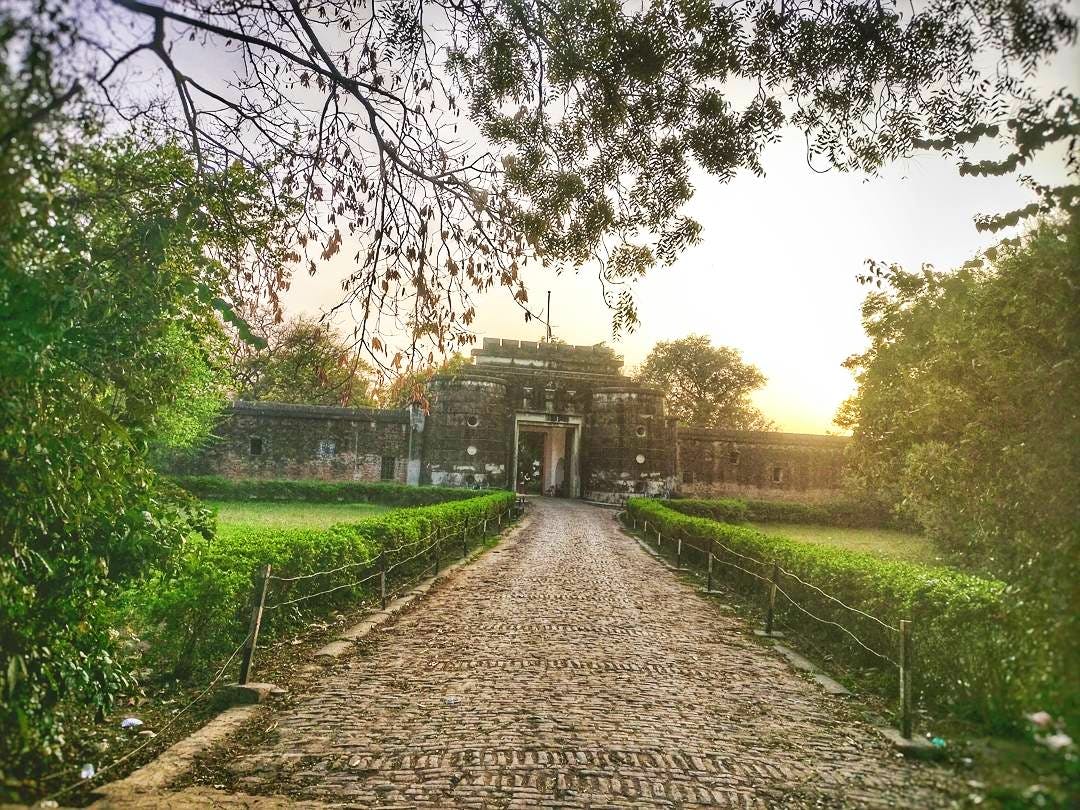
(705, 385)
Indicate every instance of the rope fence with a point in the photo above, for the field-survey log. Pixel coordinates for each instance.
(264, 580)
(381, 568)
(771, 582)
(96, 775)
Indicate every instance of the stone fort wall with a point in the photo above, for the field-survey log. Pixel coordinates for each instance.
(277, 440)
(623, 441)
(760, 464)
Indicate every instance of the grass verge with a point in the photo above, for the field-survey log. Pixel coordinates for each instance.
(884, 543)
(234, 515)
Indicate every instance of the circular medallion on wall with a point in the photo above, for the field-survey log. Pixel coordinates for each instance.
(472, 421)
(641, 431)
(471, 450)
(640, 458)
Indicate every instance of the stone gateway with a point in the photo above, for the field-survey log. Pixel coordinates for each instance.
(545, 418)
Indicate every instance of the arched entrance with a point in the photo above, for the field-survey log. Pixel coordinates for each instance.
(546, 454)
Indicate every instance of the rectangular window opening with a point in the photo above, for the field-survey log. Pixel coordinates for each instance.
(389, 467)
(327, 449)
(255, 446)
(777, 475)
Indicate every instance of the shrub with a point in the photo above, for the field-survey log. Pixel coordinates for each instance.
(965, 658)
(218, 488)
(195, 616)
(108, 345)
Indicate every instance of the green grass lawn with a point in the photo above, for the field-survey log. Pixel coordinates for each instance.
(879, 542)
(291, 514)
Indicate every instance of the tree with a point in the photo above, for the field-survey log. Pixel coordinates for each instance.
(966, 418)
(449, 144)
(411, 386)
(305, 362)
(705, 385)
(115, 261)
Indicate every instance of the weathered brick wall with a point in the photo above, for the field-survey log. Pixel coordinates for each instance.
(276, 440)
(628, 444)
(468, 433)
(753, 464)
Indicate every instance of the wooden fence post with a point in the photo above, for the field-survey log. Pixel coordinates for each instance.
(465, 539)
(382, 578)
(905, 678)
(769, 614)
(678, 552)
(709, 587)
(438, 550)
(258, 601)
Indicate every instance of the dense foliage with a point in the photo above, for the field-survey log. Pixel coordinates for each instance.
(304, 362)
(217, 488)
(112, 259)
(705, 385)
(193, 614)
(967, 415)
(593, 116)
(962, 628)
(847, 513)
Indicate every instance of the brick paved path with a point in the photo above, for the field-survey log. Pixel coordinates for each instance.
(572, 670)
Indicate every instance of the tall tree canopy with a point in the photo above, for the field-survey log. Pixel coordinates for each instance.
(967, 416)
(443, 145)
(304, 362)
(705, 385)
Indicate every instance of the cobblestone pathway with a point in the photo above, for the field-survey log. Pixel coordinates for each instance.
(572, 670)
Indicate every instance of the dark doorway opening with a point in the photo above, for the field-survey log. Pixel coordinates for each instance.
(545, 459)
(530, 456)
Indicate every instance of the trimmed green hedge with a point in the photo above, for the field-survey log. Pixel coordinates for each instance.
(965, 661)
(219, 488)
(725, 510)
(849, 514)
(195, 615)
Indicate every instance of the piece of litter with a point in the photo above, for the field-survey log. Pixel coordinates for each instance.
(130, 722)
(1057, 742)
(937, 742)
(87, 771)
(1041, 720)
(453, 701)
(147, 733)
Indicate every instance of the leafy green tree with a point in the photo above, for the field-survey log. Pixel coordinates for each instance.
(308, 363)
(591, 114)
(967, 416)
(115, 264)
(705, 385)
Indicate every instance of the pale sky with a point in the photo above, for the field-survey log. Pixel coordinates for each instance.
(774, 275)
